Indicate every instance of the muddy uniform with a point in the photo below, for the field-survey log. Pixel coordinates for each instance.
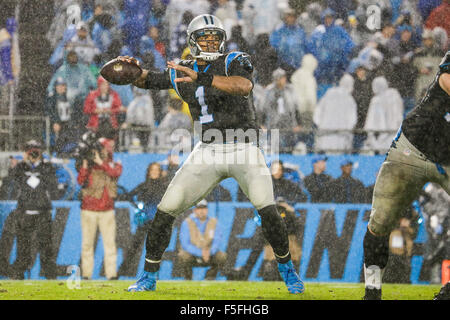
(219, 155)
(420, 153)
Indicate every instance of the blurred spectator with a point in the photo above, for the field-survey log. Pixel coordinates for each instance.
(259, 16)
(78, 77)
(289, 40)
(151, 190)
(126, 95)
(265, 59)
(147, 44)
(439, 17)
(342, 7)
(318, 183)
(305, 87)
(435, 207)
(171, 165)
(385, 114)
(176, 8)
(226, 12)
(280, 111)
(8, 190)
(102, 106)
(200, 238)
(404, 71)
(140, 117)
(283, 186)
(401, 244)
(310, 18)
(332, 46)
(441, 38)
(426, 63)
(66, 117)
(157, 15)
(175, 126)
(146, 196)
(362, 93)
(409, 19)
(328, 116)
(269, 266)
(62, 16)
(425, 7)
(136, 14)
(35, 180)
(159, 97)
(98, 178)
(236, 42)
(347, 189)
(178, 37)
(83, 45)
(154, 34)
(101, 26)
(57, 57)
(389, 47)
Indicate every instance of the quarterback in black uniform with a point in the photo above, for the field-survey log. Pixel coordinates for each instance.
(420, 153)
(218, 88)
(36, 180)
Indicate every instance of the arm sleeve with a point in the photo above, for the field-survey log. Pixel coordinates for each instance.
(112, 171)
(185, 240)
(83, 174)
(158, 80)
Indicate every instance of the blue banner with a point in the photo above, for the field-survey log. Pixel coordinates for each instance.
(331, 239)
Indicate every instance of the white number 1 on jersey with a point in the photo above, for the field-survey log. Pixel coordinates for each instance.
(200, 95)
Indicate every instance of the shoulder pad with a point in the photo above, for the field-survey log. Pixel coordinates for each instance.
(241, 57)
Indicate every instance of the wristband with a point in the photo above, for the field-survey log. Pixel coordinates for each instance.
(204, 79)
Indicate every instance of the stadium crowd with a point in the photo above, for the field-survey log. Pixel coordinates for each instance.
(314, 62)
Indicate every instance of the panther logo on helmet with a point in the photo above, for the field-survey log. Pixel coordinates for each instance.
(203, 25)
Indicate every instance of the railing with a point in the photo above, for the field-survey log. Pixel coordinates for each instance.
(16, 130)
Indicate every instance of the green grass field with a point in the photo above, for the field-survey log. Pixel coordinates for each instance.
(203, 290)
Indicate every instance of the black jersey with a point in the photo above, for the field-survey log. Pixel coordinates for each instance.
(36, 184)
(213, 108)
(427, 126)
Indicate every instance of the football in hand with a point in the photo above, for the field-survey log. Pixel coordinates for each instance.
(121, 71)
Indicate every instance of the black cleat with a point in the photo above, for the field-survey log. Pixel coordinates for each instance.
(444, 294)
(372, 294)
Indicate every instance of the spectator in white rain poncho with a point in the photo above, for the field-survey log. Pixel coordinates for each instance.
(140, 116)
(336, 111)
(385, 113)
(305, 88)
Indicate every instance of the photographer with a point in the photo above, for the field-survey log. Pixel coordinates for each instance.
(98, 177)
(35, 180)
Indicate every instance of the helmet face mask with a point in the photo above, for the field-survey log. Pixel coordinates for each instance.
(202, 26)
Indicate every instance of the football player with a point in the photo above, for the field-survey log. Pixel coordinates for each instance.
(420, 153)
(218, 88)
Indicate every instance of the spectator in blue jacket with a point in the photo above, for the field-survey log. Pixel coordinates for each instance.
(200, 238)
(290, 42)
(135, 22)
(332, 46)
